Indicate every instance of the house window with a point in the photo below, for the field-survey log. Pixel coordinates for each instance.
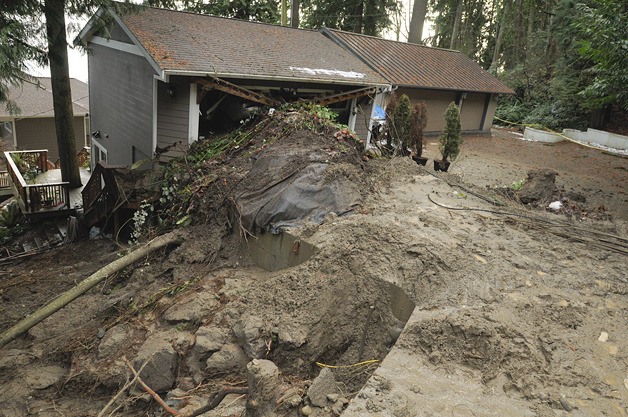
(6, 130)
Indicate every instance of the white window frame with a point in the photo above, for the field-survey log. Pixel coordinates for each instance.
(97, 148)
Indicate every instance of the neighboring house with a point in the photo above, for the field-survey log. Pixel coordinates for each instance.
(161, 79)
(436, 76)
(33, 128)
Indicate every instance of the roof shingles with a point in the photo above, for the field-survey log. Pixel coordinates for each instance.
(408, 64)
(188, 42)
(36, 101)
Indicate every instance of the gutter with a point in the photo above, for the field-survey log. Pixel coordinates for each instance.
(269, 78)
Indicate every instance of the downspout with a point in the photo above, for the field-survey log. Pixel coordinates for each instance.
(352, 114)
(85, 129)
(14, 133)
(154, 147)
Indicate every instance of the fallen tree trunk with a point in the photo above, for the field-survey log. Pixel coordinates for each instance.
(85, 285)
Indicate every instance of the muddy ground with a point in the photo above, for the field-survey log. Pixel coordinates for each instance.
(510, 311)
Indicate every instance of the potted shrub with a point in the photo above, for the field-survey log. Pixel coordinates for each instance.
(418, 123)
(451, 139)
(399, 124)
(388, 127)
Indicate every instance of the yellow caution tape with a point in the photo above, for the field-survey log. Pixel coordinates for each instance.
(323, 365)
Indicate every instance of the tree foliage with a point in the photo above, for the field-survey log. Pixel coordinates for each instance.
(266, 11)
(369, 17)
(602, 26)
(36, 30)
(451, 138)
(401, 127)
(418, 123)
(567, 60)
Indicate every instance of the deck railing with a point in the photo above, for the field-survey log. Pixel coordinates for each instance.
(100, 194)
(4, 180)
(23, 168)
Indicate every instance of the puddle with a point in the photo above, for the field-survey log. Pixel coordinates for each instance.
(277, 252)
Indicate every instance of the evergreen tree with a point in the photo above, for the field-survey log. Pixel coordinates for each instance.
(402, 124)
(266, 11)
(418, 123)
(23, 37)
(451, 138)
(369, 17)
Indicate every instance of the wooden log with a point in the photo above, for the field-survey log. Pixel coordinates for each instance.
(87, 284)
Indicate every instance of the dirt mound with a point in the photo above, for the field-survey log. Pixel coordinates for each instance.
(476, 310)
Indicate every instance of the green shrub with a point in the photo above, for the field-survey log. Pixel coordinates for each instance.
(451, 138)
(418, 123)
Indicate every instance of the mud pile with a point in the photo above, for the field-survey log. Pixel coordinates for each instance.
(399, 307)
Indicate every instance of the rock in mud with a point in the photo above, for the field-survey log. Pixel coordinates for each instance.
(249, 331)
(208, 341)
(323, 385)
(42, 377)
(114, 339)
(160, 372)
(539, 186)
(263, 379)
(193, 309)
(228, 359)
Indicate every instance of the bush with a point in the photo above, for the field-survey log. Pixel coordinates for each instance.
(451, 138)
(418, 123)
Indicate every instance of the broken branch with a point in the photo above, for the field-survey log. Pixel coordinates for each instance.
(216, 400)
(121, 391)
(150, 391)
(87, 284)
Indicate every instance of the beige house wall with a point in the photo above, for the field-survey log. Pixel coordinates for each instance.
(471, 115)
(39, 133)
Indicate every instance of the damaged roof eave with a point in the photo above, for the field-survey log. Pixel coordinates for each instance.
(275, 78)
(419, 87)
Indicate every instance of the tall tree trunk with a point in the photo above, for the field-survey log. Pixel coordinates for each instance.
(294, 14)
(61, 92)
(416, 22)
(359, 14)
(370, 17)
(500, 37)
(456, 28)
(284, 12)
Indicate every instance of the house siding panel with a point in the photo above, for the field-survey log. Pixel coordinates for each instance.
(362, 118)
(472, 109)
(436, 102)
(490, 114)
(173, 117)
(121, 103)
(39, 133)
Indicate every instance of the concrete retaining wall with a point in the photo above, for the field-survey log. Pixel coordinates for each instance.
(611, 140)
(541, 135)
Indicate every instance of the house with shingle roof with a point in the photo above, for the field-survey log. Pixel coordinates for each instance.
(32, 127)
(160, 79)
(433, 75)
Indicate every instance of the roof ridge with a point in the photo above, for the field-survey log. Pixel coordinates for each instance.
(394, 41)
(232, 19)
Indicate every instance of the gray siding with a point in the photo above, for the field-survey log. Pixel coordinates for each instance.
(118, 34)
(121, 103)
(39, 133)
(173, 117)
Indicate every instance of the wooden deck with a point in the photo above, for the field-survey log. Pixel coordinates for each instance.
(5, 183)
(37, 185)
(53, 176)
